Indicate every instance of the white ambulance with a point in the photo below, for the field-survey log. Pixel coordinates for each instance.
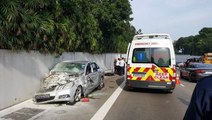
(151, 62)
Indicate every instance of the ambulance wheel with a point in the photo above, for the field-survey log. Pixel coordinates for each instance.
(128, 88)
(170, 91)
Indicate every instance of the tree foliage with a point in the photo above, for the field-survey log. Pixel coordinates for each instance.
(195, 45)
(55, 26)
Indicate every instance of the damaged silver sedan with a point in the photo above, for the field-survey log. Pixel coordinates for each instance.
(69, 81)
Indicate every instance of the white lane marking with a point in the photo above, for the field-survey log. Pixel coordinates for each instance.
(182, 85)
(101, 113)
(38, 115)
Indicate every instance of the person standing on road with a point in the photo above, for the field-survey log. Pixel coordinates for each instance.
(118, 66)
(122, 64)
(114, 66)
(200, 107)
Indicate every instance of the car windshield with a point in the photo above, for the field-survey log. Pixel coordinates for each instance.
(70, 67)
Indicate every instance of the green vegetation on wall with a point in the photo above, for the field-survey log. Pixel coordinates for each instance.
(55, 26)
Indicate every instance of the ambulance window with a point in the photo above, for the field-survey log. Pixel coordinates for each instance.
(161, 57)
(141, 55)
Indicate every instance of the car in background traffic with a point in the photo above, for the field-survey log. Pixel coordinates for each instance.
(195, 71)
(179, 64)
(68, 81)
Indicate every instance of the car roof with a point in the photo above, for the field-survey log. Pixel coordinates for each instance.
(199, 63)
(148, 36)
(196, 63)
(75, 61)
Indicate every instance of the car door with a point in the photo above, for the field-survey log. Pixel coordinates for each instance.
(91, 78)
(89, 81)
(185, 71)
(189, 70)
(95, 74)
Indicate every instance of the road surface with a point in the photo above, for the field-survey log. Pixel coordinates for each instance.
(111, 103)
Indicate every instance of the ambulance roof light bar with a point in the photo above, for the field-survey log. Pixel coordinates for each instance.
(151, 36)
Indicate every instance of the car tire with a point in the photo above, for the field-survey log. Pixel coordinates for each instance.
(181, 75)
(190, 78)
(101, 84)
(77, 96)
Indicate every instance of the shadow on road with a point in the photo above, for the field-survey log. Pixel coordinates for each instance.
(143, 90)
(119, 81)
(184, 101)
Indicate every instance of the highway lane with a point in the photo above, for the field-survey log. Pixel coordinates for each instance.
(142, 104)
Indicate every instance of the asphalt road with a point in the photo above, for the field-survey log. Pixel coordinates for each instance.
(141, 104)
(111, 103)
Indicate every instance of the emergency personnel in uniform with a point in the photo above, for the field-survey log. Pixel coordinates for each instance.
(200, 107)
(114, 66)
(122, 64)
(118, 66)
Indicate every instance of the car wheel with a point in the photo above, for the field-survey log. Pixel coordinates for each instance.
(190, 78)
(77, 96)
(181, 75)
(101, 84)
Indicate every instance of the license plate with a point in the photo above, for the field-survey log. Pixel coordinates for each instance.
(139, 74)
(44, 96)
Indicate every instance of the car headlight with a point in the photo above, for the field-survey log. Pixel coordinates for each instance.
(64, 96)
(69, 85)
(62, 82)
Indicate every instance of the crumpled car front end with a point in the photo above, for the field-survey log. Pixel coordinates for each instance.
(57, 87)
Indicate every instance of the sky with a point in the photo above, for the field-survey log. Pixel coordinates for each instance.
(179, 18)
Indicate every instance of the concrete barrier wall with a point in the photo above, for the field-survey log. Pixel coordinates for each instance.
(20, 73)
(105, 61)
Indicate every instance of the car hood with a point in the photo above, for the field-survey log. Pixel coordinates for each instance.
(57, 79)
